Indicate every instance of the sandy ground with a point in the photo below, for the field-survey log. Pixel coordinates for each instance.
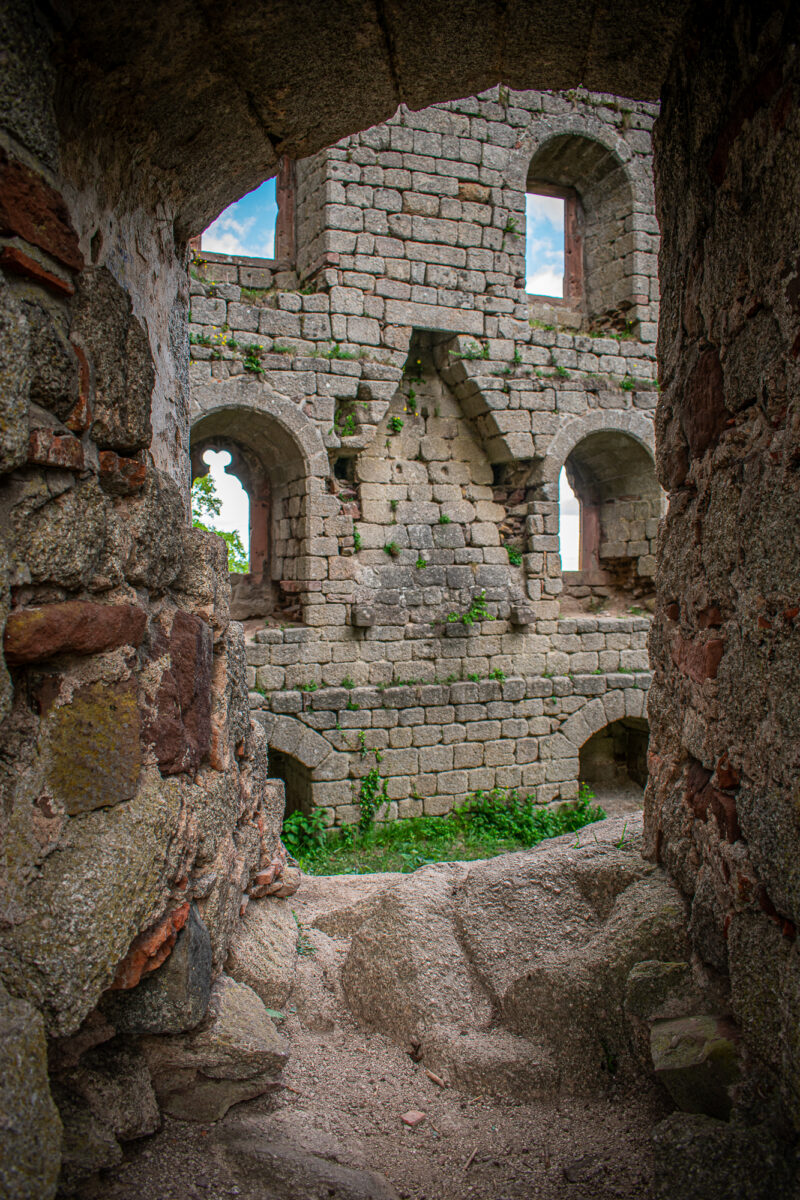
(343, 1096)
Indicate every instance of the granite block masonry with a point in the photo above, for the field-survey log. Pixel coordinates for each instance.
(399, 410)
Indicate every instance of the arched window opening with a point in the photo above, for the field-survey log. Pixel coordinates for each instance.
(569, 523)
(269, 464)
(612, 477)
(296, 780)
(220, 503)
(585, 181)
(260, 224)
(613, 763)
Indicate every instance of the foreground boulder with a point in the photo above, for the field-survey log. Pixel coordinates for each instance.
(514, 970)
(263, 951)
(273, 1168)
(235, 1054)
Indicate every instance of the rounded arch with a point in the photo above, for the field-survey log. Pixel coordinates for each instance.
(631, 424)
(610, 465)
(602, 183)
(597, 713)
(591, 129)
(298, 756)
(283, 432)
(278, 455)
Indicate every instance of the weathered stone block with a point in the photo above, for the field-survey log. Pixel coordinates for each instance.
(92, 753)
(173, 998)
(30, 1133)
(263, 952)
(119, 352)
(74, 627)
(236, 1054)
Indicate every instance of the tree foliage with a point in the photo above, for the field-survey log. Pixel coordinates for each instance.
(206, 505)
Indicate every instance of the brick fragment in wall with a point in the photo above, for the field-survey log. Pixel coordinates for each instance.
(74, 627)
(32, 209)
(49, 449)
(150, 948)
(15, 261)
(178, 725)
(121, 475)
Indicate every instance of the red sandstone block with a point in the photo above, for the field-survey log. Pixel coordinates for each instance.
(150, 949)
(80, 418)
(75, 627)
(14, 260)
(33, 210)
(698, 660)
(121, 476)
(49, 449)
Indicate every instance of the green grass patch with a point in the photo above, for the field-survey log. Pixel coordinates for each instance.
(494, 822)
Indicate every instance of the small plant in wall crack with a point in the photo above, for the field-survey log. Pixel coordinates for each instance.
(514, 556)
(478, 350)
(251, 361)
(476, 612)
(356, 538)
(444, 519)
(395, 424)
(392, 549)
(305, 947)
(421, 563)
(371, 795)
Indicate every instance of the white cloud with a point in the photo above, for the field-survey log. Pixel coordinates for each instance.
(569, 543)
(235, 511)
(545, 208)
(546, 282)
(228, 235)
(569, 524)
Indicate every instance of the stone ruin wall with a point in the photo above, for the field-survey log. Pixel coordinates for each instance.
(136, 797)
(427, 406)
(721, 811)
(80, 889)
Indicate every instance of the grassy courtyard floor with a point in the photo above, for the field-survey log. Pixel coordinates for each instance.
(490, 823)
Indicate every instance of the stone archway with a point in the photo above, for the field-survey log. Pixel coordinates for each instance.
(279, 457)
(634, 424)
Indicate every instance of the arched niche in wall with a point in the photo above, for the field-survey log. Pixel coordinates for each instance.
(598, 198)
(613, 477)
(274, 470)
(614, 759)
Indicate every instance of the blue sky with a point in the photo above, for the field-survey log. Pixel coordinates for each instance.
(544, 245)
(246, 227)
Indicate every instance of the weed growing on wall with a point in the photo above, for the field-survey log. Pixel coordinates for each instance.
(371, 795)
(477, 611)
